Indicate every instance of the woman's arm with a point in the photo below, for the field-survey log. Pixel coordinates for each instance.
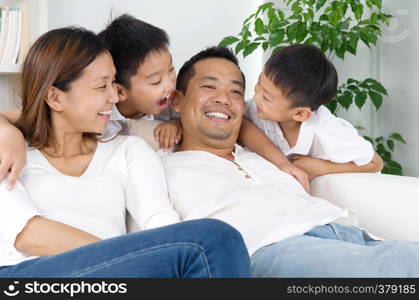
(22, 227)
(146, 192)
(255, 140)
(316, 167)
(43, 237)
(12, 147)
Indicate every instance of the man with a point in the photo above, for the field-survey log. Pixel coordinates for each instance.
(287, 232)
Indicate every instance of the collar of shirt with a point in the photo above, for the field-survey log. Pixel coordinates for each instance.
(304, 140)
(307, 131)
(238, 150)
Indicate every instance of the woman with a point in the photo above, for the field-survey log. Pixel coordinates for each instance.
(66, 217)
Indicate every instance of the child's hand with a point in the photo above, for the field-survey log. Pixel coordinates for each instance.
(12, 154)
(298, 174)
(312, 166)
(168, 134)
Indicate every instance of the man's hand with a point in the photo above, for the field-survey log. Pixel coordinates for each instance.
(12, 154)
(312, 166)
(168, 134)
(298, 174)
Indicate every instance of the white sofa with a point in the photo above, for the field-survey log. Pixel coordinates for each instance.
(387, 205)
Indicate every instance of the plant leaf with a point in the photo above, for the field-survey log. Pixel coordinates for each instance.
(346, 99)
(380, 139)
(292, 31)
(265, 46)
(250, 48)
(369, 139)
(379, 88)
(332, 106)
(398, 137)
(394, 164)
(377, 99)
(228, 41)
(240, 46)
(360, 99)
(390, 144)
(277, 37)
(259, 27)
(320, 4)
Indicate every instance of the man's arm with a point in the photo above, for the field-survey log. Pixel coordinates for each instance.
(12, 147)
(254, 139)
(316, 167)
(43, 237)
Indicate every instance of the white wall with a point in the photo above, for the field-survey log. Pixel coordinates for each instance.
(191, 25)
(395, 63)
(399, 71)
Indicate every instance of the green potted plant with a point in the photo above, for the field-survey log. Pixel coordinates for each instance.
(336, 27)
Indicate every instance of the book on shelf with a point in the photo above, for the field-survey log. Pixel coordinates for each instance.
(17, 42)
(24, 40)
(3, 30)
(14, 33)
(11, 37)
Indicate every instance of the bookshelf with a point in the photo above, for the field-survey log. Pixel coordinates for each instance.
(9, 68)
(34, 20)
(34, 23)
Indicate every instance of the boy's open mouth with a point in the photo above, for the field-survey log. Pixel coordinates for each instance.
(164, 102)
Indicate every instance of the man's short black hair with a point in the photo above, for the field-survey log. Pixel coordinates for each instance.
(187, 71)
(304, 74)
(129, 41)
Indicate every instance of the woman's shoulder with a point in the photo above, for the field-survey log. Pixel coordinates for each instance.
(128, 146)
(125, 141)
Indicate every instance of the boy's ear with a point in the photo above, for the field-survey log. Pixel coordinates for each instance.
(122, 92)
(175, 101)
(302, 114)
(54, 99)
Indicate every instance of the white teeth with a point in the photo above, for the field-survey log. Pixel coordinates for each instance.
(217, 115)
(107, 112)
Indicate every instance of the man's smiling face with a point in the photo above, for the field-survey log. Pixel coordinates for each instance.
(212, 107)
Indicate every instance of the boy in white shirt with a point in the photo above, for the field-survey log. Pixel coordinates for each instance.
(288, 107)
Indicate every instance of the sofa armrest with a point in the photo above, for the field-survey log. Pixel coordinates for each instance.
(387, 205)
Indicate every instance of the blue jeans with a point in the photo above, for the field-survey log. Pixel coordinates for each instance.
(334, 250)
(198, 248)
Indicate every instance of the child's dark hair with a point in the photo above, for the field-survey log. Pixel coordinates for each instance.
(187, 71)
(304, 74)
(129, 41)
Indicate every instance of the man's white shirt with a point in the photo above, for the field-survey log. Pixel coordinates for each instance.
(265, 204)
